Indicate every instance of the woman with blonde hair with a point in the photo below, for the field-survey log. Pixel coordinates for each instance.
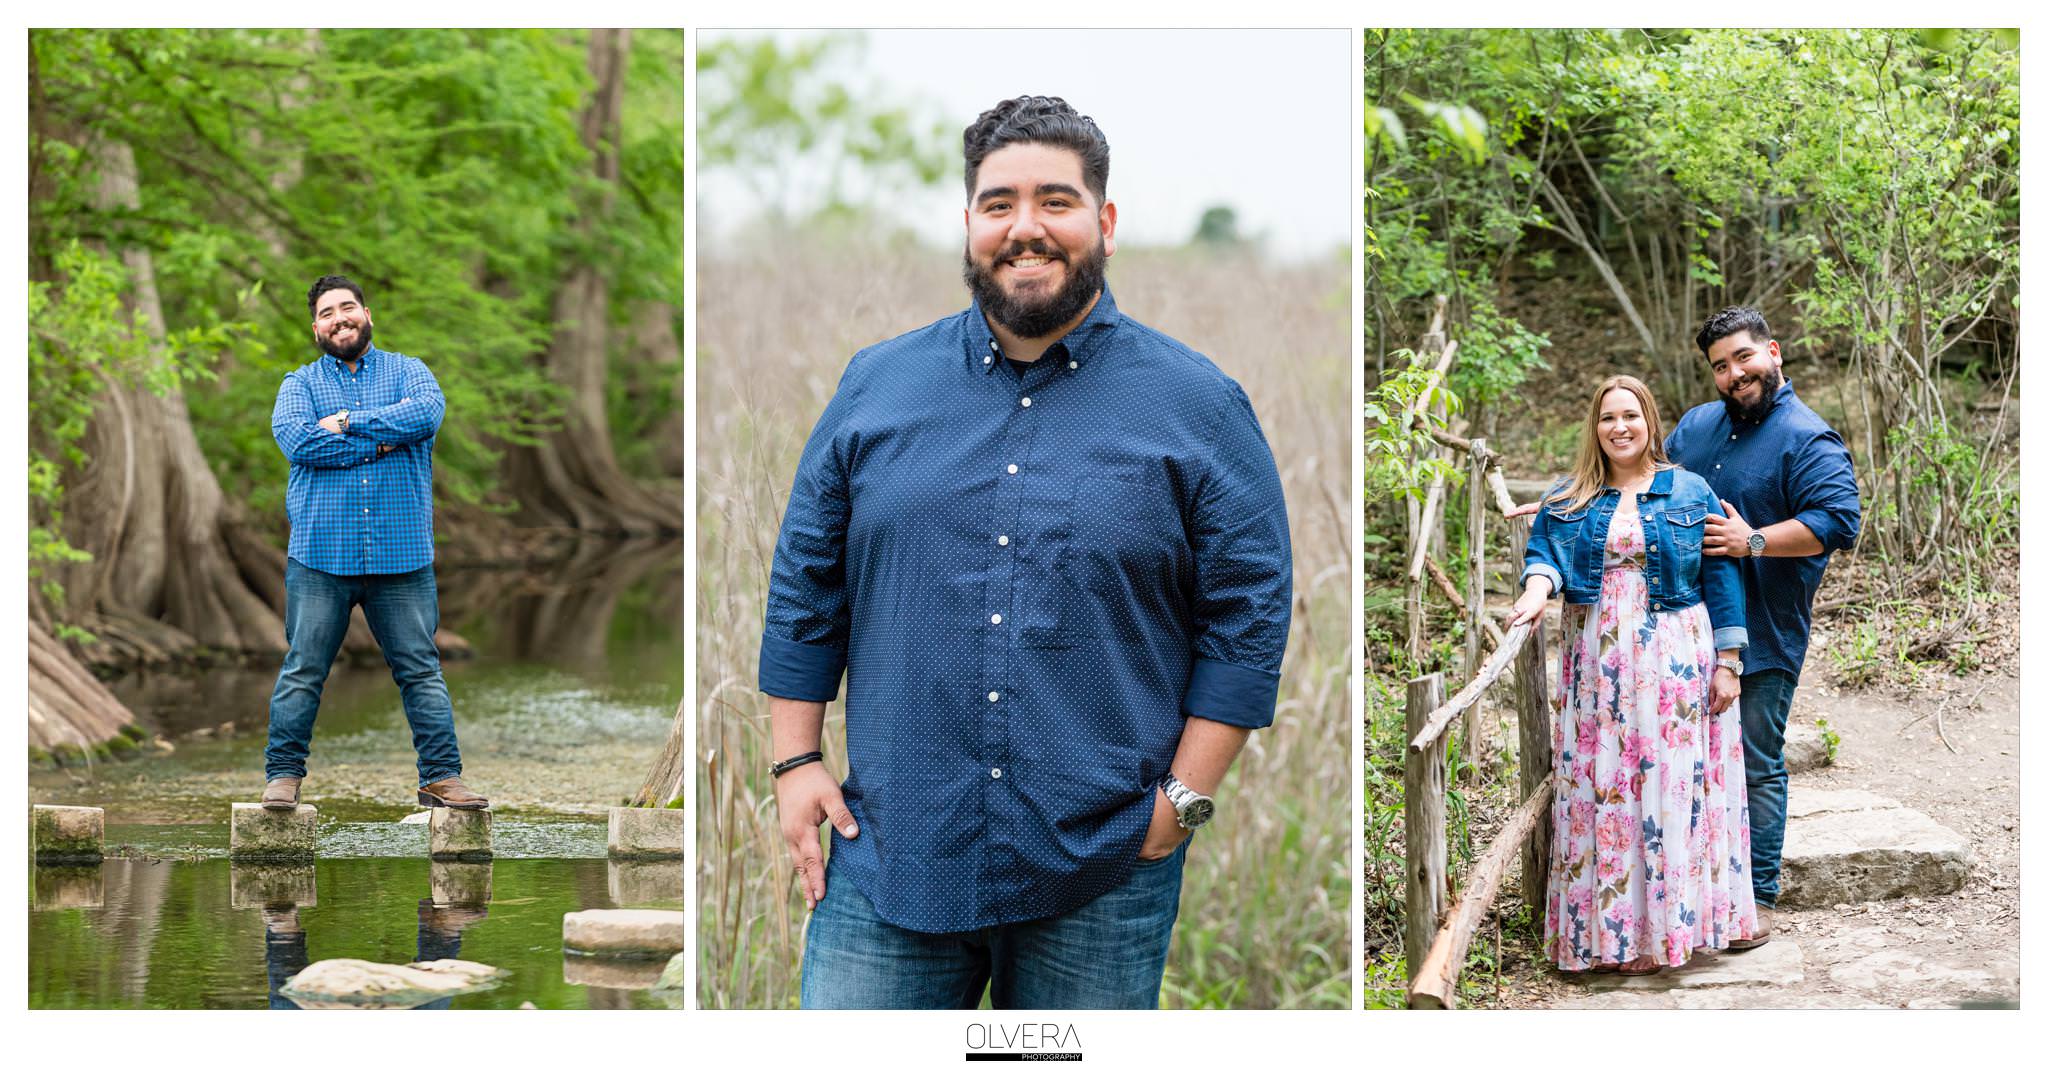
(1650, 853)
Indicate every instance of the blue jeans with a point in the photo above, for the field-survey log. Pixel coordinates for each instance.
(403, 612)
(1108, 953)
(1766, 706)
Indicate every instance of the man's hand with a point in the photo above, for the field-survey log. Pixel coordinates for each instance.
(805, 797)
(1727, 535)
(1165, 833)
(384, 449)
(332, 423)
(1724, 689)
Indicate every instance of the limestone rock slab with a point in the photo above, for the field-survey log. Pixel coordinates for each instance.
(345, 983)
(258, 835)
(1850, 846)
(455, 834)
(1778, 962)
(64, 835)
(644, 833)
(623, 932)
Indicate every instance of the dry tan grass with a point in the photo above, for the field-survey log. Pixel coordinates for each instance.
(1264, 919)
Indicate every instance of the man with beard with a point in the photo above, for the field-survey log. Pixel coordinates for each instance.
(357, 426)
(1047, 547)
(1789, 493)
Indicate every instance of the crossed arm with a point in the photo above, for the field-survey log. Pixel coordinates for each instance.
(309, 439)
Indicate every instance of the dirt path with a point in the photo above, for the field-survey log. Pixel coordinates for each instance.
(1945, 951)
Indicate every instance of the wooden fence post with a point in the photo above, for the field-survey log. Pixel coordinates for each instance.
(1532, 717)
(1422, 796)
(1475, 593)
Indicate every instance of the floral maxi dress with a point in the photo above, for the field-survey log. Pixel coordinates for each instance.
(1650, 827)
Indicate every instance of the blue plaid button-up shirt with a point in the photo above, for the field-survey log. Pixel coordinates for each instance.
(1030, 575)
(352, 509)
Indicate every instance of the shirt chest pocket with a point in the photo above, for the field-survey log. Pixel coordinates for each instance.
(1688, 526)
(1119, 560)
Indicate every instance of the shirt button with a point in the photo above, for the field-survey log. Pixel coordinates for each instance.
(1026, 401)
(996, 619)
(986, 360)
(1732, 436)
(994, 696)
(1013, 468)
(995, 772)
(1002, 539)
(1072, 365)
(1717, 466)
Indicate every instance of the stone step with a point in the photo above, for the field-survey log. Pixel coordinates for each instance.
(66, 836)
(643, 932)
(458, 834)
(258, 835)
(1848, 846)
(1710, 979)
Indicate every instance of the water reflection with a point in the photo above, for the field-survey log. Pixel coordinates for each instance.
(632, 883)
(65, 888)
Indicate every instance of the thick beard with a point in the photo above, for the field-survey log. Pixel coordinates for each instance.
(1039, 318)
(1740, 412)
(348, 355)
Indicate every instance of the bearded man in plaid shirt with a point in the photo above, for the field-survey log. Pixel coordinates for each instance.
(357, 426)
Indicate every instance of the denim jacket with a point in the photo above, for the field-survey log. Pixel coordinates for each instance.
(1570, 548)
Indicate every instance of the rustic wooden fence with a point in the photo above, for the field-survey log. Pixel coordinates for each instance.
(1439, 934)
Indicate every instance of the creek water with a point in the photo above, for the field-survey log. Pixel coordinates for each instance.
(560, 714)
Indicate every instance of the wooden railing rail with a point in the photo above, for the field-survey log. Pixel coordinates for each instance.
(1437, 942)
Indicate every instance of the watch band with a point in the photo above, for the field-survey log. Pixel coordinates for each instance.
(777, 770)
(1192, 810)
(343, 416)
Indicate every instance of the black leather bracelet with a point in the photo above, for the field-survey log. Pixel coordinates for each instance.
(793, 762)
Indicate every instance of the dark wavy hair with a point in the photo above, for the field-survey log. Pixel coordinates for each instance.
(1732, 320)
(331, 281)
(1046, 120)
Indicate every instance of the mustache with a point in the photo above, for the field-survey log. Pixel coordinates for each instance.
(1020, 249)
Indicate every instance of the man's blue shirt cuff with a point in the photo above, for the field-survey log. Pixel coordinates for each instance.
(1232, 695)
(796, 671)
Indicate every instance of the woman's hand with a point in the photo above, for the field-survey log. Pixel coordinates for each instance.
(1529, 606)
(1727, 685)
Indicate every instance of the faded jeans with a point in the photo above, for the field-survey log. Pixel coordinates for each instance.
(1766, 706)
(1107, 953)
(403, 611)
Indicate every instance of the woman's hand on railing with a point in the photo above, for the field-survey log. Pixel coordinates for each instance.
(1529, 606)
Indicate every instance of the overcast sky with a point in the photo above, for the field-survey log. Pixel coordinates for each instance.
(1259, 120)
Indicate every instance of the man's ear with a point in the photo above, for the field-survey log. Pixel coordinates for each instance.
(1108, 219)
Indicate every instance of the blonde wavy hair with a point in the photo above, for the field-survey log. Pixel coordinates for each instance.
(1589, 472)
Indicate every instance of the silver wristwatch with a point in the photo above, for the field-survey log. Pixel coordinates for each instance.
(1756, 542)
(1191, 809)
(342, 417)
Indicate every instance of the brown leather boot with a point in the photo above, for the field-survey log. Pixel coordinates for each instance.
(451, 793)
(281, 794)
(1763, 931)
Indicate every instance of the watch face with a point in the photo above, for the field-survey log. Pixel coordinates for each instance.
(1196, 813)
(1756, 544)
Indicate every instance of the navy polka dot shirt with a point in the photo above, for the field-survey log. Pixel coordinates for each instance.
(1029, 574)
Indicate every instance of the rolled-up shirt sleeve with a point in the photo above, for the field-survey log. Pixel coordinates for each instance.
(1823, 490)
(1244, 586)
(803, 641)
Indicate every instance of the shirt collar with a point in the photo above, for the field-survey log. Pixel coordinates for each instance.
(335, 363)
(1080, 343)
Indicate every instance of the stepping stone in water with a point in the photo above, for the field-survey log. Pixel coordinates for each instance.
(623, 932)
(70, 836)
(269, 885)
(456, 834)
(362, 984)
(258, 835)
(644, 833)
(1850, 846)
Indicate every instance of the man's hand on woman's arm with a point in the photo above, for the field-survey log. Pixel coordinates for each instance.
(808, 795)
